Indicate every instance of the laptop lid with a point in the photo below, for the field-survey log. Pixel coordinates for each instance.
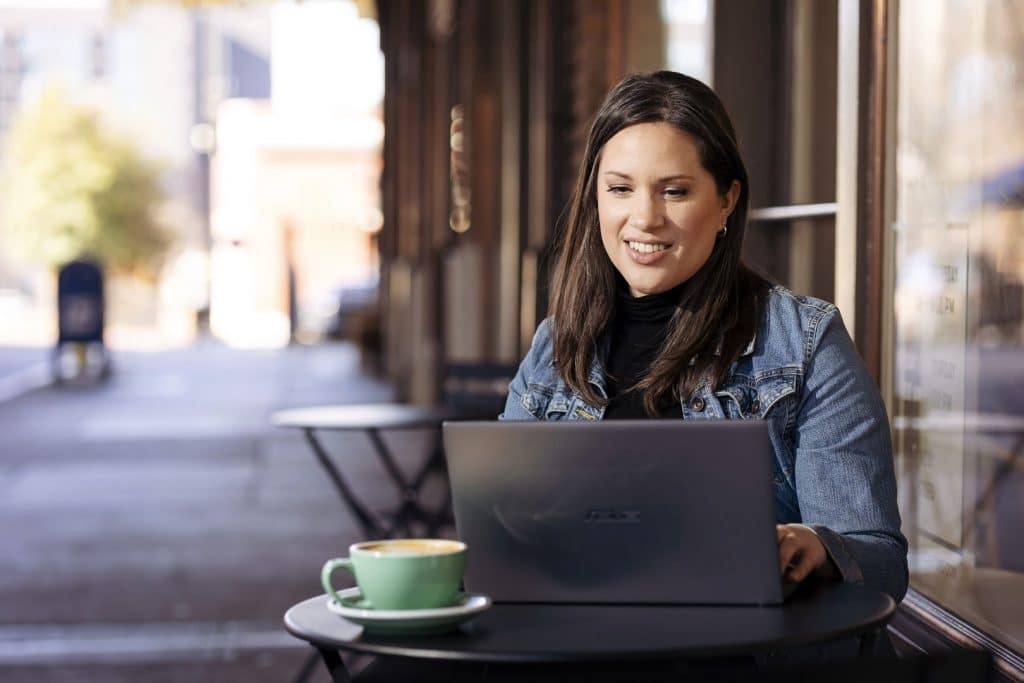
(619, 511)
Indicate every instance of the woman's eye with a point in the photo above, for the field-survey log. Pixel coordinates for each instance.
(618, 189)
(676, 192)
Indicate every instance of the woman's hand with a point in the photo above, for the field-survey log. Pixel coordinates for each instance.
(800, 552)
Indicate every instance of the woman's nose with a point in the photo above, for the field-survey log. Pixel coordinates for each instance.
(645, 213)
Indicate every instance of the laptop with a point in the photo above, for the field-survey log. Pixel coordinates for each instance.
(620, 511)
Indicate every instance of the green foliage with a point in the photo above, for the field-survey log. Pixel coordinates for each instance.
(72, 188)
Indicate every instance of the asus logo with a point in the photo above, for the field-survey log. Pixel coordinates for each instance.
(610, 516)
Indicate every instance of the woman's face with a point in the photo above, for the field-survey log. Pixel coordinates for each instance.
(658, 207)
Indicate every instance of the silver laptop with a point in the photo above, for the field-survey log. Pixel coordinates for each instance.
(621, 511)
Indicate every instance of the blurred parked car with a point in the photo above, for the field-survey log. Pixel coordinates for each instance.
(342, 312)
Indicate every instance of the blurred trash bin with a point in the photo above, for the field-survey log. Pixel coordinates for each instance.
(80, 314)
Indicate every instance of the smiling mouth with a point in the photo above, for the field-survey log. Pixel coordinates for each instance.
(646, 248)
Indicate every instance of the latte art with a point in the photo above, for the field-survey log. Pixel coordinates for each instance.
(411, 547)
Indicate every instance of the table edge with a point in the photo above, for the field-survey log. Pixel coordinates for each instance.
(425, 417)
(603, 656)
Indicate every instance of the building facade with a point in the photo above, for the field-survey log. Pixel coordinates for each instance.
(885, 157)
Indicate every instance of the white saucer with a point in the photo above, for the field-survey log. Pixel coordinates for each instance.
(406, 622)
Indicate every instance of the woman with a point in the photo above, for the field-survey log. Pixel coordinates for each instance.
(652, 314)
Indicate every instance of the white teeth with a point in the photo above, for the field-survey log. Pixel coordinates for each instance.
(644, 248)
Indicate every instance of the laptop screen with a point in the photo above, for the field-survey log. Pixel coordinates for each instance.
(621, 511)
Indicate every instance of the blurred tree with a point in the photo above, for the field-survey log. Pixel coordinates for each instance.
(73, 188)
(366, 8)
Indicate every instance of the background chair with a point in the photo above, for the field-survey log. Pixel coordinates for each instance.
(476, 391)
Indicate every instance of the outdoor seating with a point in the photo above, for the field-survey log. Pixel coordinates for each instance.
(476, 391)
(469, 391)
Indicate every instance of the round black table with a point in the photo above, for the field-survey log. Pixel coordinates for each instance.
(373, 418)
(546, 633)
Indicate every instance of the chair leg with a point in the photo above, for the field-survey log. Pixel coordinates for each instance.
(369, 526)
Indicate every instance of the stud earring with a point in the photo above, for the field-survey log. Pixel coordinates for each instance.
(724, 230)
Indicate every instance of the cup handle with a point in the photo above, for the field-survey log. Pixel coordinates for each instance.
(325, 574)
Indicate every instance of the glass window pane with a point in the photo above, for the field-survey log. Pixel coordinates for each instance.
(958, 381)
(688, 39)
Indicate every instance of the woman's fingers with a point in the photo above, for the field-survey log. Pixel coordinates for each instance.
(789, 547)
(800, 551)
(799, 570)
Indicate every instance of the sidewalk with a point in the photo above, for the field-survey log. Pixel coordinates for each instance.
(23, 369)
(16, 358)
(156, 525)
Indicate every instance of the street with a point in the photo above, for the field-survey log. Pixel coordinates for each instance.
(156, 527)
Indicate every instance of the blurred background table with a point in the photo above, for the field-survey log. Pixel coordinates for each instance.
(372, 419)
(468, 391)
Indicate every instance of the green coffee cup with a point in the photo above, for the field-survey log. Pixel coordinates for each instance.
(402, 573)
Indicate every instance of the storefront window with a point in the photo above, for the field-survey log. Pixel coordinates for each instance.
(958, 307)
(688, 37)
(669, 34)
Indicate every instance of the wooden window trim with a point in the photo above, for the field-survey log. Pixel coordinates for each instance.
(922, 625)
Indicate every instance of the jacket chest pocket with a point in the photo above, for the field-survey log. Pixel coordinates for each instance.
(548, 403)
(772, 398)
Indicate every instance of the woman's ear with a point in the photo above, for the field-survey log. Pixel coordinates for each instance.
(729, 199)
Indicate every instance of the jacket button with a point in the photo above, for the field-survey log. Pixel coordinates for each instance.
(697, 404)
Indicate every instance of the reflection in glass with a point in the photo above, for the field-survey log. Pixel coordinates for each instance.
(958, 354)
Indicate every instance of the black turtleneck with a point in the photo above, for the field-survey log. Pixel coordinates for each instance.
(638, 329)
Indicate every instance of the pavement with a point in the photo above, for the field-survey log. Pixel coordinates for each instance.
(16, 358)
(156, 527)
(23, 369)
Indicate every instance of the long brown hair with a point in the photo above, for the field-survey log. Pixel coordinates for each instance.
(719, 307)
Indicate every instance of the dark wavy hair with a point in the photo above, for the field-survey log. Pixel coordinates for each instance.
(719, 307)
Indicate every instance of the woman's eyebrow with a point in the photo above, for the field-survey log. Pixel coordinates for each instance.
(666, 179)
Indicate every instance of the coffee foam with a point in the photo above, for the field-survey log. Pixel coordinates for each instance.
(411, 546)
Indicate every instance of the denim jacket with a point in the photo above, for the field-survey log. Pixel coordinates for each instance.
(833, 466)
